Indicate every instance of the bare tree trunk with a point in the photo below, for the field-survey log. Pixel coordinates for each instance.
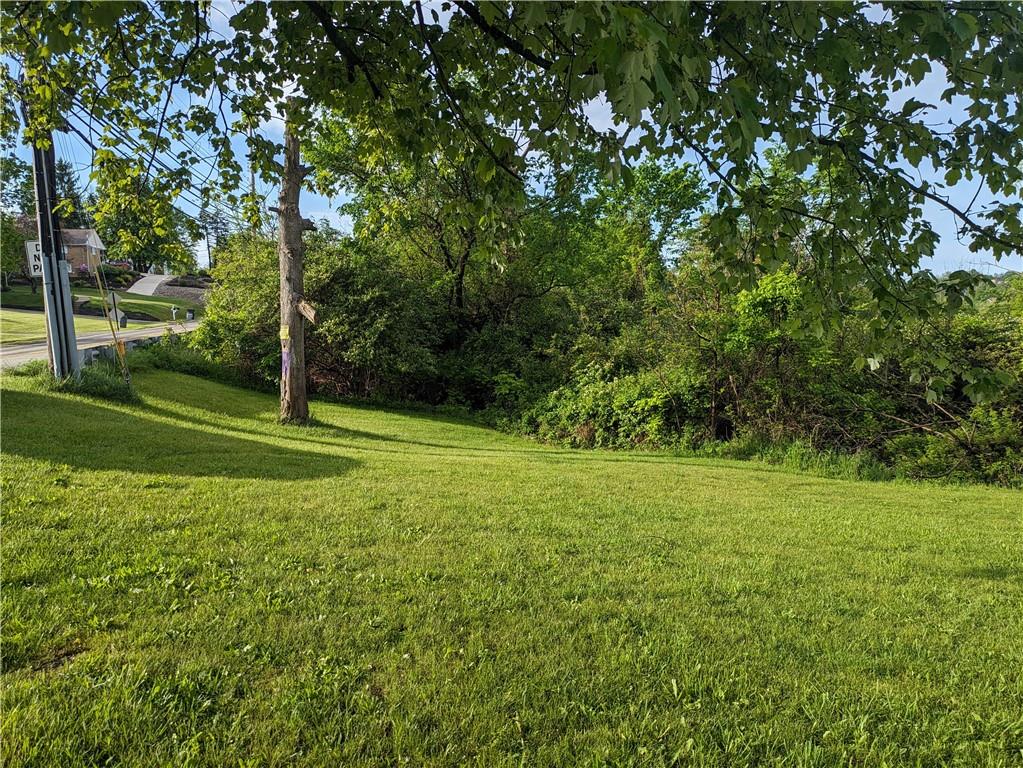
(291, 252)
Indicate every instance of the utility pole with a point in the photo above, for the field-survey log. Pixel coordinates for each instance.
(291, 254)
(57, 302)
(252, 176)
(252, 168)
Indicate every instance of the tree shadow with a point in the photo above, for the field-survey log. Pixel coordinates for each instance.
(218, 399)
(994, 572)
(211, 396)
(90, 435)
(321, 432)
(231, 400)
(306, 433)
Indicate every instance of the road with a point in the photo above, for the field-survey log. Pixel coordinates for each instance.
(12, 355)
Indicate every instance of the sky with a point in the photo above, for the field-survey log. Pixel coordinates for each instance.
(951, 254)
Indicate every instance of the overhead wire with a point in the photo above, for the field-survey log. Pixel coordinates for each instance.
(188, 194)
(88, 118)
(92, 146)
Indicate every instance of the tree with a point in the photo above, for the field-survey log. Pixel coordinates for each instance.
(427, 200)
(143, 227)
(215, 229)
(18, 203)
(71, 205)
(291, 256)
(12, 248)
(498, 83)
(17, 195)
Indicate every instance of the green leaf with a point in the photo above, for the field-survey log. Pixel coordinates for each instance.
(485, 169)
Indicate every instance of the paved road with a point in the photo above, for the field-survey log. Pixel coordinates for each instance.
(145, 286)
(15, 354)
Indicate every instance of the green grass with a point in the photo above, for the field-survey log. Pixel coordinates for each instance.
(18, 327)
(159, 307)
(185, 582)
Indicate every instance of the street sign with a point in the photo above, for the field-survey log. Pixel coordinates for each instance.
(34, 253)
(119, 317)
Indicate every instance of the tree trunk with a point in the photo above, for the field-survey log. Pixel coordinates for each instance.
(460, 282)
(291, 252)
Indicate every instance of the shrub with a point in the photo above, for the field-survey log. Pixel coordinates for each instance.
(172, 353)
(641, 409)
(987, 448)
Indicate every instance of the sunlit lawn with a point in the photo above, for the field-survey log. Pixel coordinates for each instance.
(158, 307)
(185, 582)
(19, 327)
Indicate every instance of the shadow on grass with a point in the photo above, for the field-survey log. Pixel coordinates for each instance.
(242, 402)
(197, 392)
(86, 435)
(319, 432)
(225, 400)
(304, 433)
(994, 572)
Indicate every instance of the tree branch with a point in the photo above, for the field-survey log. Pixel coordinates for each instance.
(513, 45)
(352, 59)
(921, 189)
(443, 81)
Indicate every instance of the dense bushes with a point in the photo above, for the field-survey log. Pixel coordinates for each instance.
(372, 337)
(113, 277)
(592, 325)
(988, 447)
(642, 409)
(172, 353)
(745, 383)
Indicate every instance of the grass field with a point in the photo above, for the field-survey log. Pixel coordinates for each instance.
(185, 582)
(21, 296)
(19, 327)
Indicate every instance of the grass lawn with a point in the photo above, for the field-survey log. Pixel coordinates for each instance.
(157, 306)
(187, 583)
(17, 327)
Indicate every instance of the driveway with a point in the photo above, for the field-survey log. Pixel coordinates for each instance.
(145, 286)
(12, 355)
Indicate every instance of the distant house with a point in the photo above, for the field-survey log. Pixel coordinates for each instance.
(83, 247)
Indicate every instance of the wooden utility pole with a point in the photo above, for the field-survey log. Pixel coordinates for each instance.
(291, 252)
(252, 177)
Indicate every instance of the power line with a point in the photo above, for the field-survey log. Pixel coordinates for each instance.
(136, 145)
(200, 205)
(187, 194)
(198, 222)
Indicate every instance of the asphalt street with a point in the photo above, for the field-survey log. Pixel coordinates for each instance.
(12, 355)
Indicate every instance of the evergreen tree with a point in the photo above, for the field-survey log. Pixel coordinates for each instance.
(74, 213)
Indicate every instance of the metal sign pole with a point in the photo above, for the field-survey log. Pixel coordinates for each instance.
(63, 346)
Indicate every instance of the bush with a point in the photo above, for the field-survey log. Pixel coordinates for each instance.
(641, 409)
(371, 337)
(113, 276)
(172, 353)
(988, 449)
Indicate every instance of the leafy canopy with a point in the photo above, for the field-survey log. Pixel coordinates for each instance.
(494, 83)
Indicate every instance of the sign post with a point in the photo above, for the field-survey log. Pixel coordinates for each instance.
(60, 322)
(120, 319)
(34, 256)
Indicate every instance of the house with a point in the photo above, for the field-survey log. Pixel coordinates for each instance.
(82, 247)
